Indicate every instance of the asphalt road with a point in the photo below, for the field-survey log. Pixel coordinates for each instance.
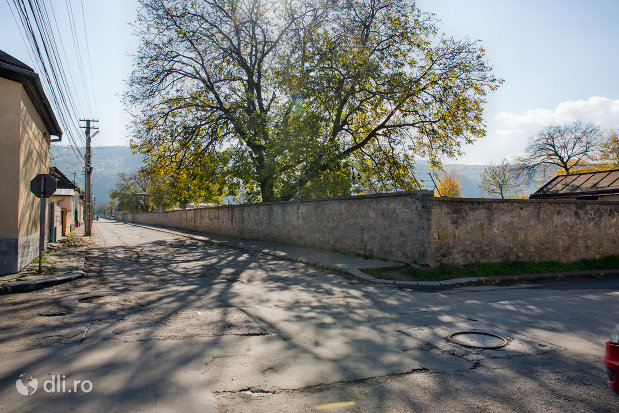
(163, 323)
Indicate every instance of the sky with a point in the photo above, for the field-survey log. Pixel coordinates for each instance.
(558, 59)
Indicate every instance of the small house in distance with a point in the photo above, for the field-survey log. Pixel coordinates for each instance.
(70, 199)
(602, 185)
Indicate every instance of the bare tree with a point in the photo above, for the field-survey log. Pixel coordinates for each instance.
(562, 149)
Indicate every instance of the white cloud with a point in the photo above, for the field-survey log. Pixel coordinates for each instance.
(600, 110)
(509, 133)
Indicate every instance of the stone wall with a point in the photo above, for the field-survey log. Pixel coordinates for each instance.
(467, 231)
(415, 227)
(393, 226)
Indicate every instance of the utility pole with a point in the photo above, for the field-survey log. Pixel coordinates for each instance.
(88, 171)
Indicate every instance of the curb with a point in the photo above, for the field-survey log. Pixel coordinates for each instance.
(360, 275)
(499, 279)
(14, 287)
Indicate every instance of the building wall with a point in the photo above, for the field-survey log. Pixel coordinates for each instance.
(10, 95)
(79, 207)
(68, 202)
(34, 160)
(417, 228)
(24, 153)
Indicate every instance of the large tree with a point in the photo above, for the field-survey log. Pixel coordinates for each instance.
(302, 97)
(562, 149)
(124, 193)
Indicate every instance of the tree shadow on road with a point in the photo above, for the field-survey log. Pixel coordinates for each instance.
(177, 320)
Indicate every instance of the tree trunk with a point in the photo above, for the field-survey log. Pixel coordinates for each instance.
(267, 190)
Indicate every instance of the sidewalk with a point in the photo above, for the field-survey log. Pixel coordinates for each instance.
(350, 265)
(63, 261)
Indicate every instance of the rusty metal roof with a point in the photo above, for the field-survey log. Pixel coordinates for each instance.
(580, 185)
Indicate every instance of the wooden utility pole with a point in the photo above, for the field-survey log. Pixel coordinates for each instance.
(88, 171)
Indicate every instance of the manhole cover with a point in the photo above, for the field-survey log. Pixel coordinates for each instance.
(478, 339)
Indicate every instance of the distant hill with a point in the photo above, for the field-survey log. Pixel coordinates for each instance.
(109, 161)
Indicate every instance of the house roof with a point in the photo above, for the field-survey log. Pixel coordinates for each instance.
(13, 69)
(580, 185)
(62, 182)
(8, 59)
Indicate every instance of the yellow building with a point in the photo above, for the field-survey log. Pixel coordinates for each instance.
(27, 124)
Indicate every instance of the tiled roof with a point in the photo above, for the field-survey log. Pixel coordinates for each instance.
(8, 59)
(579, 185)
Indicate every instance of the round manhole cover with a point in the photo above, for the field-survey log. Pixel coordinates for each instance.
(478, 339)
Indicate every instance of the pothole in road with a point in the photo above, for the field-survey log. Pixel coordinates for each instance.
(478, 339)
(92, 299)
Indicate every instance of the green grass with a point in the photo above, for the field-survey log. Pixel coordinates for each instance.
(450, 271)
(47, 267)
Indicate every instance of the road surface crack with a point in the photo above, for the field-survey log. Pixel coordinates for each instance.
(322, 386)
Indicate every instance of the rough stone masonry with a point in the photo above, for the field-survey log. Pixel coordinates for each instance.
(416, 227)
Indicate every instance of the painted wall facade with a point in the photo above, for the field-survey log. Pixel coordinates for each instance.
(70, 202)
(24, 153)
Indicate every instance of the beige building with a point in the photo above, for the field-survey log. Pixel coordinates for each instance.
(27, 124)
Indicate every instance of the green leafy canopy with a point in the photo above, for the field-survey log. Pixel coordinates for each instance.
(289, 99)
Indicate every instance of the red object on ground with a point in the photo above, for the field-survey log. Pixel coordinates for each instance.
(611, 359)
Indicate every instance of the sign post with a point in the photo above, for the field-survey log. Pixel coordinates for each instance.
(42, 186)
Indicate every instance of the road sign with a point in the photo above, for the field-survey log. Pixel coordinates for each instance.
(43, 183)
(42, 186)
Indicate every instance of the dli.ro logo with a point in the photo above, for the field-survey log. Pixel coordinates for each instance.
(27, 385)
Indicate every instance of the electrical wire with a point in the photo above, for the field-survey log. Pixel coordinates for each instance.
(33, 18)
(94, 98)
(41, 46)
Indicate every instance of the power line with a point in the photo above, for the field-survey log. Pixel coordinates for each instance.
(36, 44)
(76, 45)
(56, 68)
(43, 49)
(71, 77)
(94, 98)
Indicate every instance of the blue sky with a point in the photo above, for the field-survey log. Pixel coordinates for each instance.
(559, 61)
